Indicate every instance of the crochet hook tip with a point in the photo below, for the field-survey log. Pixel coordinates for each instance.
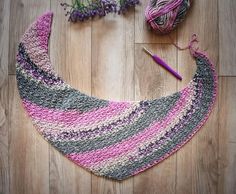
(179, 78)
(147, 51)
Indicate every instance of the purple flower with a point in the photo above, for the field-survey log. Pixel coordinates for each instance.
(126, 4)
(80, 11)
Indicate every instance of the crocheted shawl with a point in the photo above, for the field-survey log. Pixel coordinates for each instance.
(109, 138)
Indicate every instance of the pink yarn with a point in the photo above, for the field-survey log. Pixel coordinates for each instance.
(65, 117)
(164, 15)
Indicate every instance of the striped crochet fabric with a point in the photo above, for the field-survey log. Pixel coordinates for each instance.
(111, 139)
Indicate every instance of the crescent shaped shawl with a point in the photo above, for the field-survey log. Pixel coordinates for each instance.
(109, 138)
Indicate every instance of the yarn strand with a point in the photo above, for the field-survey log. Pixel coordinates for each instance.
(190, 46)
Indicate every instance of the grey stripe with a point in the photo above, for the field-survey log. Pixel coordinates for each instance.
(66, 99)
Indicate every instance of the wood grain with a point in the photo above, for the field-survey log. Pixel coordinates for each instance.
(28, 151)
(72, 60)
(4, 38)
(112, 76)
(23, 13)
(197, 163)
(152, 81)
(227, 31)
(227, 97)
(113, 57)
(227, 182)
(227, 136)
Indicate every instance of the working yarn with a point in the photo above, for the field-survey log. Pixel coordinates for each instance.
(111, 139)
(164, 15)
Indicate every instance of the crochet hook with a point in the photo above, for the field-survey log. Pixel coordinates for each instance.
(159, 61)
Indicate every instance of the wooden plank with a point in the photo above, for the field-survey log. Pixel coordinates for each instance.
(227, 111)
(112, 75)
(227, 170)
(23, 13)
(28, 152)
(227, 135)
(152, 81)
(71, 57)
(197, 161)
(4, 38)
(227, 42)
(106, 186)
(143, 33)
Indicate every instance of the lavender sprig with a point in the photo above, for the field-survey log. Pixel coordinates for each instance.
(126, 4)
(81, 11)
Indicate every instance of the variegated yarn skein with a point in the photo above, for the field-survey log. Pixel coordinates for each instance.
(164, 15)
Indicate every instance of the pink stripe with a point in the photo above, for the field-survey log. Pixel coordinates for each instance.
(89, 158)
(43, 26)
(74, 117)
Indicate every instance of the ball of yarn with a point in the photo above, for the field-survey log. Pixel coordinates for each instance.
(164, 15)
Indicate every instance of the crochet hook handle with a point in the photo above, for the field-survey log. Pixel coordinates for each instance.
(159, 61)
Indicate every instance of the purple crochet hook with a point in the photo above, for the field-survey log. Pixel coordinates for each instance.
(159, 61)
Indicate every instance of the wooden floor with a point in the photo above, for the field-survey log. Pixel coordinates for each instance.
(104, 58)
